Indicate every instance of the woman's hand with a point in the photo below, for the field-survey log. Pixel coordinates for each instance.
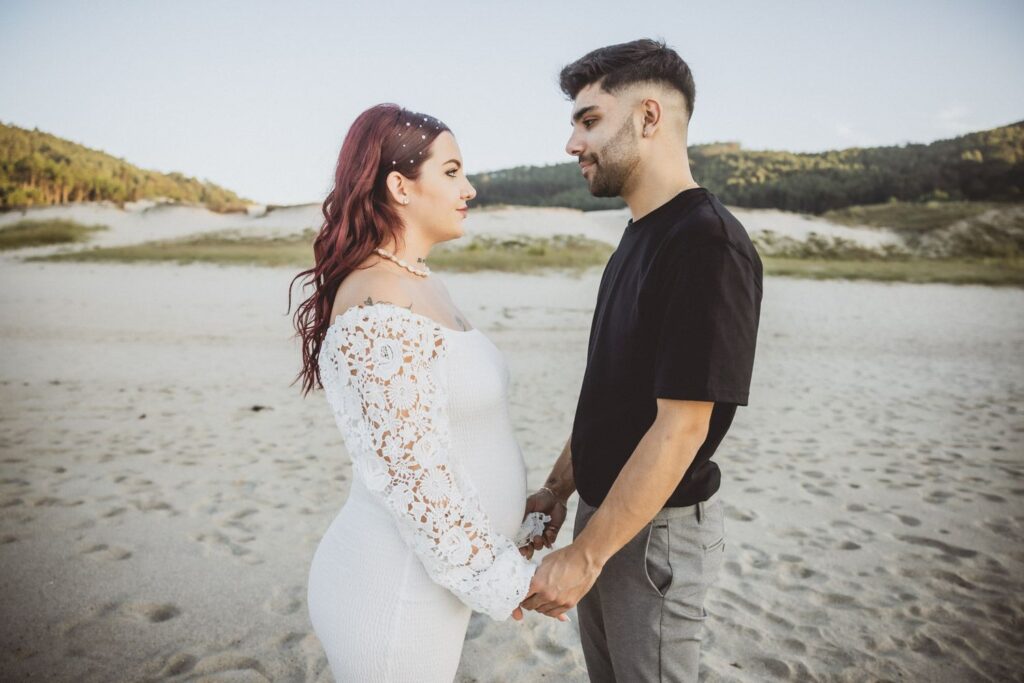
(544, 501)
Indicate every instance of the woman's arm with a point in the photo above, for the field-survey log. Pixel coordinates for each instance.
(390, 363)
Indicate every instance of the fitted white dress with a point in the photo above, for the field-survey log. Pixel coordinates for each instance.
(438, 491)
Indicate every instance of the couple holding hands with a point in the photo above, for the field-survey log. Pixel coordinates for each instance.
(438, 522)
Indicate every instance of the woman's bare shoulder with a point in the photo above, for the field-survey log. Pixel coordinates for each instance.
(372, 286)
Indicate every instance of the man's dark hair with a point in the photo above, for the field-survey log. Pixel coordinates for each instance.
(617, 66)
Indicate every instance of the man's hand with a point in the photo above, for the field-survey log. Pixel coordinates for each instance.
(548, 503)
(561, 581)
(517, 614)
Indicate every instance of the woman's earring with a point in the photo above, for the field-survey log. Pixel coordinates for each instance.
(405, 200)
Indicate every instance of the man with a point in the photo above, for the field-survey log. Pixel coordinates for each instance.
(670, 356)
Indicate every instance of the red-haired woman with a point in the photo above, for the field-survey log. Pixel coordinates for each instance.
(433, 527)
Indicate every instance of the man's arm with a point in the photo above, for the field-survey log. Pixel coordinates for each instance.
(648, 478)
(553, 502)
(561, 480)
(644, 484)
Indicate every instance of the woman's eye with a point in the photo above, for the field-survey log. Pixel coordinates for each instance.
(454, 170)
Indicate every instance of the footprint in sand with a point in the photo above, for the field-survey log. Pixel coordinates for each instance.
(776, 668)
(287, 641)
(946, 548)
(284, 601)
(954, 579)
(795, 646)
(104, 552)
(815, 490)
(735, 599)
(147, 612)
(739, 514)
(754, 557)
(860, 533)
(938, 497)
(231, 666)
(174, 665)
(838, 600)
(800, 574)
(219, 542)
(155, 504)
(908, 520)
(236, 521)
(1004, 526)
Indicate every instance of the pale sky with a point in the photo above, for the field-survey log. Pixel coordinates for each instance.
(257, 96)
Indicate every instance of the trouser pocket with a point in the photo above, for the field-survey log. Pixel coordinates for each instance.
(713, 541)
(657, 557)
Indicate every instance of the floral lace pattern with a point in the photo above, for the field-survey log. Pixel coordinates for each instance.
(383, 372)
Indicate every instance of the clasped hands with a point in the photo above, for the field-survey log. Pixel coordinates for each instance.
(565, 575)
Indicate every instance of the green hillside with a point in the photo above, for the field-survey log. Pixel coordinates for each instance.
(988, 165)
(39, 169)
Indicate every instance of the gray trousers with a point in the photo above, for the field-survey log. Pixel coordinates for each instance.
(643, 619)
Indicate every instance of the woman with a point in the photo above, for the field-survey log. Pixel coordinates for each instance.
(439, 485)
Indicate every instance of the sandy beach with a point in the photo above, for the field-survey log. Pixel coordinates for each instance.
(164, 487)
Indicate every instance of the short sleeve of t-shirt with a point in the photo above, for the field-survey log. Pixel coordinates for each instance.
(705, 346)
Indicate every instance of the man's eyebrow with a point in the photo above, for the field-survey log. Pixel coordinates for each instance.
(583, 112)
(454, 160)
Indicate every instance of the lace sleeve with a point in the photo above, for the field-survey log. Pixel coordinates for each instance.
(388, 363)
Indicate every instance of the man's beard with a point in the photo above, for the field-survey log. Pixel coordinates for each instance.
(618, 159)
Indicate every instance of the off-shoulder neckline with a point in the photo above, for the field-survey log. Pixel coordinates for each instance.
(396, 307)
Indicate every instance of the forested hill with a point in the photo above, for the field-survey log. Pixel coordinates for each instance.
(987, 165)
(39, 169)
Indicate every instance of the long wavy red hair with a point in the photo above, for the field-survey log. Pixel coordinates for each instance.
(358, 214)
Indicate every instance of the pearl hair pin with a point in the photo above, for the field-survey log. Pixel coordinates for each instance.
(437, 126)
(391, 257)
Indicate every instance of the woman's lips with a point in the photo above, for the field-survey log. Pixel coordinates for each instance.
(464, 212)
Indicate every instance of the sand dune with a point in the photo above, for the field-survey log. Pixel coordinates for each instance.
(148, 222)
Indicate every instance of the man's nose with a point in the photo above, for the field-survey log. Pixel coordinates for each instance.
(573, 147)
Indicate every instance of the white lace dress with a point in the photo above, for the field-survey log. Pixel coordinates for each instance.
(438, 491)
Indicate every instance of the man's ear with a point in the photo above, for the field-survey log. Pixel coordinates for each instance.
(651, 110)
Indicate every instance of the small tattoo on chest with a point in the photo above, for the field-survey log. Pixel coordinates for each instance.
(370, 302)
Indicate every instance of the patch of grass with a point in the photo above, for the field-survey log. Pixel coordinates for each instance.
(530, 254)
(821, 247)
(38, 233)
(481, 253)
(227, 247)
(912, 217)
(1000, 272)
(522, 254)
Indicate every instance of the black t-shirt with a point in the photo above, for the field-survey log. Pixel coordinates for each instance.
(676, 317)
